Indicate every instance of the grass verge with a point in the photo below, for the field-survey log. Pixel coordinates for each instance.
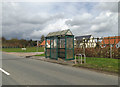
(103, 64)
(40, 55)
(28, 49)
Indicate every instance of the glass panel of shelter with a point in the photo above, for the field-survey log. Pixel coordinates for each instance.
(69, 47)
(61, 47)
(47, 44)
(54, 49)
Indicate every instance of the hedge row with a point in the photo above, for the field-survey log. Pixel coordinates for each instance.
(99, 52)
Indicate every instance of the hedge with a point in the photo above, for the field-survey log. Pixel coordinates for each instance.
(99, 52)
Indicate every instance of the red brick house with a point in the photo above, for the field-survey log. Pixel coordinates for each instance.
(113, 41)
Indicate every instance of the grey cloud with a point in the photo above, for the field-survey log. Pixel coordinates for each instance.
(100, 28)
(34, 20)
(103, 24)
(38, 19)
(111, 6)
(80, 20)
(21, 23)
(76, 22)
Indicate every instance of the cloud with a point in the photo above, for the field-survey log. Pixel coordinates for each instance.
(24, 25)
(80, 19)
(99, 28)
(57, 26)
(31, 20)
(105, 22)
(108, 6)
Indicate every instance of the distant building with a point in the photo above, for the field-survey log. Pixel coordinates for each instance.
(118, 45)
(43, 44)
(86, 40)
(113, 41)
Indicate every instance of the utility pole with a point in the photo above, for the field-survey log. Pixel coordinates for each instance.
(84, 46)
(37, 45)
(110, 51)
(110, 46)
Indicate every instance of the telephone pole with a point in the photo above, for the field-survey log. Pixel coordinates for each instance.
(37, 45)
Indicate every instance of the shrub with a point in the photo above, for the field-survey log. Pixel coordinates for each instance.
(98, 52)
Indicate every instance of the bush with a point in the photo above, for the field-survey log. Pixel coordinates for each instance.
(99, 52)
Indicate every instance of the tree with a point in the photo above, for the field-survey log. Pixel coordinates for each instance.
(3, 39)
(42, 38)
(29, 42)
(23, 43)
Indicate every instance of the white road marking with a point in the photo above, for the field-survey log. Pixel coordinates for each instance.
(4, 71)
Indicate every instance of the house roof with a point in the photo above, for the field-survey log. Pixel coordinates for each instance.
(59, 33)
(111, 40)
(43, 43)
(81, 37)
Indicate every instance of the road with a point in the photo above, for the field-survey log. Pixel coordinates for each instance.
(26, 71)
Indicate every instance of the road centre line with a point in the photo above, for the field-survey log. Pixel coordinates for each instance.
(4, 71)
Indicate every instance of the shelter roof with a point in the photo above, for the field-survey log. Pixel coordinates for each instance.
(60, 33)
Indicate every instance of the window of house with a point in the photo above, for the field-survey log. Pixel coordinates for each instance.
(117, 45)
(104, 45)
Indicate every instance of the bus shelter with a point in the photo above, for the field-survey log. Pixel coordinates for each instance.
(61, 45)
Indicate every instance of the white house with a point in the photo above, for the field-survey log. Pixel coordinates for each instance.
(118, 45)
(86, 40)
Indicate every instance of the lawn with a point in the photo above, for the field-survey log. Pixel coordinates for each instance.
(104, 64)
(28, 49)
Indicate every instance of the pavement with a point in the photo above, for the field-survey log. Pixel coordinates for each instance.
(24, 53)
(28, 71)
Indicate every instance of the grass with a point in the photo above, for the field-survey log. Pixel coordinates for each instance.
(40, 55)
(104, 64)
(28, 49)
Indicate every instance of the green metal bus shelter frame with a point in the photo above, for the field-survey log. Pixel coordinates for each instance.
(61, 45)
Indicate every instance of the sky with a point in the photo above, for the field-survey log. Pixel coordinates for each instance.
(31, 20)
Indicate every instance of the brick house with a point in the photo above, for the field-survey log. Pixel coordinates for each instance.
(113, 41)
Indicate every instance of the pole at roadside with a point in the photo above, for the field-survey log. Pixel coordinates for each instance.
(37, 45)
